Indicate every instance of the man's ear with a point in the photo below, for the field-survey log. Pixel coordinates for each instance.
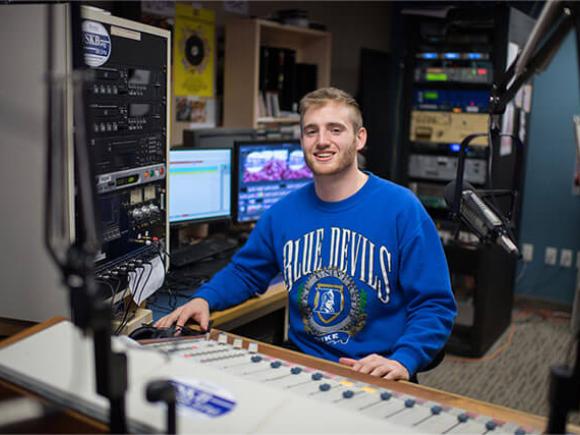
(361, 138)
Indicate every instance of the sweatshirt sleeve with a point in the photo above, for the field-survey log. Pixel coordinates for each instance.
(431, 307)
(249, 272)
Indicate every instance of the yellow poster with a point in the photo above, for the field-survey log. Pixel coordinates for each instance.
(193, 51)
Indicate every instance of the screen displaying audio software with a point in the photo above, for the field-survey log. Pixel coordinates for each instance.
(266, 172)
(199, 184)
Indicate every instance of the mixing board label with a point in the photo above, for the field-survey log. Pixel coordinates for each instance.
(201, 398)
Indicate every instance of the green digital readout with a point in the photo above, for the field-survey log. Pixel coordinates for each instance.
(130, 179)
(431, 95)
(436, 77)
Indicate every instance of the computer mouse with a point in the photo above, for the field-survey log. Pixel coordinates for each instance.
(148, 332)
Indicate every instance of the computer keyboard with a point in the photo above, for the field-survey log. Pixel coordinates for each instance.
(205, 248)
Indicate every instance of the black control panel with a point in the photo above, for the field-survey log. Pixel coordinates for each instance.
(127, 132)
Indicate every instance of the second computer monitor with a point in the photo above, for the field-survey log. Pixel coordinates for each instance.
(265, 172)
(199, 185)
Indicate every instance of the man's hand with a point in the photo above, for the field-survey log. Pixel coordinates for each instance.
(376, 365)
(196, 309)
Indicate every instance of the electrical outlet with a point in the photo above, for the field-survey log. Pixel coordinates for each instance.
(551, 256)
(566, 258)
(527, 252)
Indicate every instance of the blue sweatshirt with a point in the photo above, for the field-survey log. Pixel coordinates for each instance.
(364, 275)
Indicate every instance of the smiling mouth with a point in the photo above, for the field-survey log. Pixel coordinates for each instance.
(323, 156)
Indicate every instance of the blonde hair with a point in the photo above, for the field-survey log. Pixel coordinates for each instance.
(322, 96)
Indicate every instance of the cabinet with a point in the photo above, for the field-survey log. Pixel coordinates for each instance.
(242, 64)
(482, 281)
(450, 65)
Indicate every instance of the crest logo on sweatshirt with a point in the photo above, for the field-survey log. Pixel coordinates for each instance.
(328, 301)
(332, 308)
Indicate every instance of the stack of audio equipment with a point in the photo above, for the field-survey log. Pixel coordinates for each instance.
(126, 107)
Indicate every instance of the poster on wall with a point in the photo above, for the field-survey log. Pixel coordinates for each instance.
(193, 51)
(197, 112)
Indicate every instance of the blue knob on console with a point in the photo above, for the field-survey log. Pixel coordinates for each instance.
(490, 425)
(463, 417)
(385, 395)
(324, 387)
(436, 410)
(348, 394)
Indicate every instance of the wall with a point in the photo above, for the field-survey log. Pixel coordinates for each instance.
(551, 213)
(31, 287)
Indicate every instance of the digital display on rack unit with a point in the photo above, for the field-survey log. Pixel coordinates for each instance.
(451, 55)
(139, 76)
(447, 100)
(129, 179)
(139, 109)
(479, 74)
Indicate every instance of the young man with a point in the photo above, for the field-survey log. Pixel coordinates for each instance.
(367, 279)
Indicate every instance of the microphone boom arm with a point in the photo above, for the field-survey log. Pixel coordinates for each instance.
(532, 59)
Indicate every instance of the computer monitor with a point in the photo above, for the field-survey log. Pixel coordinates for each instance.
(199, 185)
(217, 137)
(265, 172)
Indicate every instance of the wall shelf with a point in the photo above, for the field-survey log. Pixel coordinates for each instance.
(242, 70)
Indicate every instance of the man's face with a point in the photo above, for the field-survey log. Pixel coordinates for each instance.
(329, 141)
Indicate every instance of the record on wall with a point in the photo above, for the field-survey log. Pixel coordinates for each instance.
(194, 50)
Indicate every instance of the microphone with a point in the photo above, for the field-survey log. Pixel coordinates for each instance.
(480, 218)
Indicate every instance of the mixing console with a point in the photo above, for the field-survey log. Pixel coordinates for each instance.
(408, 411)
(226, 384)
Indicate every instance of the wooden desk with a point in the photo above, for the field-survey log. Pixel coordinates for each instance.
(9, 327)
(275, 298)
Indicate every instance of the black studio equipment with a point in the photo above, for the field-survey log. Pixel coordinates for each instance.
(557, 19)
(451, 60)
(119, 84)
(127, 113)
(127, 119)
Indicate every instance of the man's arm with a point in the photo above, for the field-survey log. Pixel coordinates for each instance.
(431, 308)
(249, 272)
